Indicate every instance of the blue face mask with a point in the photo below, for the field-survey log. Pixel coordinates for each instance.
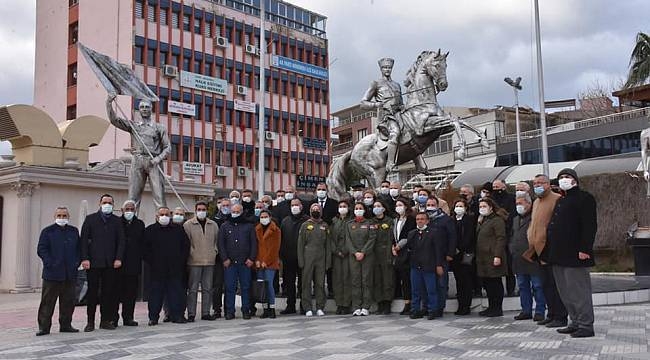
(539, 190)
(258, 212)
(225, 210)
(422, 199)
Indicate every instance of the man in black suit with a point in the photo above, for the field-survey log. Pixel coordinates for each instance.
(329, 210)
(102, 251)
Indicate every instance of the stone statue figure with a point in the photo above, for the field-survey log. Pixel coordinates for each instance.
(645, 157)
(412, 126)
(143, 165)
(385, 95)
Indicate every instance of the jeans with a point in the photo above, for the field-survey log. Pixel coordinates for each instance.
(268, 275)
(442, 287)
(531, 286)
(233, 274)
(424, 288)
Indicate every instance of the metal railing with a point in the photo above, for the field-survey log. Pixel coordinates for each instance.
(581, 124)
(436, 180)
(355, 118)
(342, 146)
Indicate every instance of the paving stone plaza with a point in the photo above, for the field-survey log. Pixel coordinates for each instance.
(622, 332)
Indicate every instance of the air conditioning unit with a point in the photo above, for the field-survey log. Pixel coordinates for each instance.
(251, 49)
(242, 90)
(221, 171)
(269, 135)
(220, 41)
(170, 71)
(242, 171)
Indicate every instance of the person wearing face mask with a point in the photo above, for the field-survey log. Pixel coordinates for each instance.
(128, 273)
(467, 194)
(522, 188)
(268, 258)
(415, 193)
(394, 192)
(102, 251)
(463, 259)
(248, 203)
(360, 237)
(537, 232)
(569, 250)
(237, 245)
(166, 251)
(421, 201)
(383, 279)
(279, 196)
(328, 205)
(528, 274)
(224, 212)
(314, 258)
(340, 261)
(368, 200)
(203, 234)
(290, 228)
(357, 192)
(506, 201)
(235, 197)
(283, 208)
(178, 216)
(255, 219)
(58, 248)
(404, 223)
(383, 194)
(257, 210)
(491, 254)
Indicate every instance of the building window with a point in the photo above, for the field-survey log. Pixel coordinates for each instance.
(73, 33)
(227, 158)
(139, 9)
(207, 69)
(361, 134)
(217, 115)
(137, 57)
(151, 13)
(207, 158)
(249, 159)
(238, 37)
(175, 20)
(174, 152)
(186, 153)
(72, 3)
(186, 64)
(238, 77)
(285, 162)
(71, 112)
(196, 154)
(267, 163)
(163, 17)
(217, 30)
(163, 58)
(207, 113)
(229, 33)
(151, 57)
(72, 74)
(208, 29)
(197, 26)
(186, 22)
(197, 66)
(162, 104)
(299, 92)
(173, 60)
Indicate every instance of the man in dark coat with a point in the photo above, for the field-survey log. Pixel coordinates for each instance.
(58, 247)
(569, 249)
(290, 228)
(444, 233)
(506, 201)
(128, 274)
(102, 251)
(166, 248)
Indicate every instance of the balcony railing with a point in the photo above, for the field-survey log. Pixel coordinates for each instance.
(355, 118)
(600, 120)
(342, 146)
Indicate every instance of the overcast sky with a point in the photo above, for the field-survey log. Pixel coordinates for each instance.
(583, 42)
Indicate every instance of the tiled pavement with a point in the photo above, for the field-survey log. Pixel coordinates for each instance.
(622, 332)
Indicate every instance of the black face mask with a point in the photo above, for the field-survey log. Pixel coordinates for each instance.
(315, 214)
(499, 192)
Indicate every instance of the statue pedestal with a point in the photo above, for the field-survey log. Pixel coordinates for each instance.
(640, 243)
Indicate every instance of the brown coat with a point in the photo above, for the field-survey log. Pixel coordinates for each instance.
(268, 245)
(490, 243)
(542, 211)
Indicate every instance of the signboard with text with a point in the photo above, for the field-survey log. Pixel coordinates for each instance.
(181, 108)
(245, 106)
(193, 168)
(308, 182)
(205, 83)
(299, 67)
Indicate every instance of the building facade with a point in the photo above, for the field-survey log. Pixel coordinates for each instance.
(202, 58)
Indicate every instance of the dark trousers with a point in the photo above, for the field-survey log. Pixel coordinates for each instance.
(403, 282)
(168, 289)
(127, 292)
(442, 285)
(276, 282)
(290, 272)
(330, 282)
(52, 290)
(217, 286)
(511, 279)
(464, 275)
(494, 289)
(101, 290)
(556, 308)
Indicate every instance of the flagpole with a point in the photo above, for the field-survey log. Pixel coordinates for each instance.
(260, 126)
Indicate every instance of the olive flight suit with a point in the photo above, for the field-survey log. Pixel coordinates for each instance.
(384, 283)
(340, 263)
(360, 237)
(314, 258)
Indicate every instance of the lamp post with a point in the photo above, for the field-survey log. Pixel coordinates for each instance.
(260, 126)
(540, 85)
(516, 86)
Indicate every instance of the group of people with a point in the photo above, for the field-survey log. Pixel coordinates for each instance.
(363, 251)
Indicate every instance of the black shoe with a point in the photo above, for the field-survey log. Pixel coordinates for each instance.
(339, 310)
(432, 315)
(68, 329)
(462, 312)
(107, 325)
(406, 310)
(494, 313)
(43, 332)
(265, 314)
(347, 310)
(129, 323)
(253, 311)
(440, 313)
(288, 310)
(583, 333)
(153, 322)
(484, 312)
(167, 319)
(89, 327)
(217, 313)
(272, 313)
(191, 319)
(180, 320)
(416, 315)
(523, 316)
(567, 330)
(557, 324)
(246, 316)
(538, 317)
(209, 317)
(229, 316)
(544, 321)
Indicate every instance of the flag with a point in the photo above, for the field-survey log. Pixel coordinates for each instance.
(117, 78)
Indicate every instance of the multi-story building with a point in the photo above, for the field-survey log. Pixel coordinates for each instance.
(353, 124)
(202, 58)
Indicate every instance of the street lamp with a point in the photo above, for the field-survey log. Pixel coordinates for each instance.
(516, 86)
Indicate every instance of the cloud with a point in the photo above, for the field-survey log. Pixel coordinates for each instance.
(17, 57)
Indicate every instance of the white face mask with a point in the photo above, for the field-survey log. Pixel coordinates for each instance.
(415, 197)
(321, 194)
(234, 200)
(394, 192)
(177, 219)
(368, 201)
(296, 210)
(163, 220)
(246, 199)
(279, 200)
(61, 222)
(359, 212)
(384, 191)
(235, 215)
(343, 211)
(377, 211)
(519, 193)
(357, 194)
(400, 210)
(483, 194)
(459, 210)
(128, 215)
(265, 221)
(484, 211)
(107, 209)
(521, 209)
(201, 215)
(422, 227)
(566, 184)
(431, 208)
(288, 196)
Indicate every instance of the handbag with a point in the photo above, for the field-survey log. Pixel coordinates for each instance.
(467, 259)
(258, 291)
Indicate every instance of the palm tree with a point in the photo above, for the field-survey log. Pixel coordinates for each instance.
(639, 61)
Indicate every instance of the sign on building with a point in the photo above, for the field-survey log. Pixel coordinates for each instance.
(181, 108)
(299, 67)
(308, 182)
(193, 168)
(204, 83)
(245, 106)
